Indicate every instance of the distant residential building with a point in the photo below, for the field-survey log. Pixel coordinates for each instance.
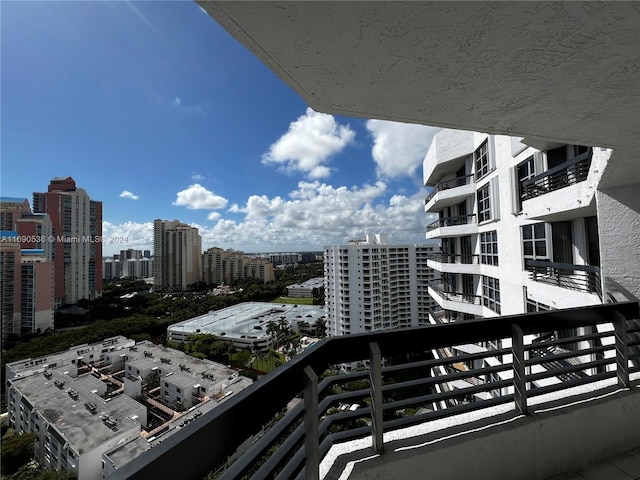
(76, 224)
(177, 252)
(27, 272)
(223, 267)
(305, 289)
(290, 258)
(372, 285)
(127, 264)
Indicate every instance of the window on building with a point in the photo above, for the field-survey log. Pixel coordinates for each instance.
(489, 248)
(481, 158)
(524, 172)
(484, 204)
(534, 242)
(491, 293)
(535, 306)
(178, 390)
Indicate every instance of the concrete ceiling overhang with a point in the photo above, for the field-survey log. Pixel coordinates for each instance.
(554, 71)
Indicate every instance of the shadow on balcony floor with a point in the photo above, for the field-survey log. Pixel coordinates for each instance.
(569, 436)
(620, 467)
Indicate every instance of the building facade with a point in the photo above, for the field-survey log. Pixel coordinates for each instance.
(372, 285)
(27, 273)
(77, 247)
(517, 225)
(95, 407)
(223, 267)
(177, 252)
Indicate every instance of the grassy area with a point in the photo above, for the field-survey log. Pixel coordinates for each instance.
(294, 301)
(263, 363)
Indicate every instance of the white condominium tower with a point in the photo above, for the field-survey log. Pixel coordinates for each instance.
(519, 226)
(177, 248)
(371, 285)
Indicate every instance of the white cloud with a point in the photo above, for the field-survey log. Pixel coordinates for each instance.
(128, 194)
(176, 102)
(308, 144)
(196, 177)
(126, 235)
(197, 197)
(399, 148)
(312, 216)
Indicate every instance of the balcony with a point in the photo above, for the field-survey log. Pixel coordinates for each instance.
(293, 424)
(447, 263)
(561, 192)
(453, 226)
(450, 192)
(459, 302)
(582, 278)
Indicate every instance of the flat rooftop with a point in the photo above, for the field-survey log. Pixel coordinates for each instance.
(247, 319)
(72, 419)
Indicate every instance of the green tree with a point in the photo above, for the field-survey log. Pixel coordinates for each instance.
(16, 451)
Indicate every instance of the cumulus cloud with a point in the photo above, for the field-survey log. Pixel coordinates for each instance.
(308, 144)
(196, 197)
(128, 194)
(399, 148)
(310, 217)
(128, 235)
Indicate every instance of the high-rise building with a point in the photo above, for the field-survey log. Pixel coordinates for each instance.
(518, 225)
(77, 230)
(27, 299)
(372, 285)
(177, 248)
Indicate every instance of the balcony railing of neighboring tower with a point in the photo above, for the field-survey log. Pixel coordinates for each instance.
(584, 278)
(447, 184)
(464, 259)
(283, 424)
(452, 221)
(447, 294)
(566, 174)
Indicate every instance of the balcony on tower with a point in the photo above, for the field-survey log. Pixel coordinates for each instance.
(566, 188)
(453, 226)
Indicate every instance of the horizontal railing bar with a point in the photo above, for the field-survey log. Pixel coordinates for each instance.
(563, 266)
(568, 340)
(570, 384)
(554, 372)
(565, 355)
(452, 394)
(449, 411)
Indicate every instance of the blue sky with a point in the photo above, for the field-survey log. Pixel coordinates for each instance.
(158, 112)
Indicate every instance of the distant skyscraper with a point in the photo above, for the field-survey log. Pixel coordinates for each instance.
(371, 285)
(26, 270)
(76, 222)
(177, 248)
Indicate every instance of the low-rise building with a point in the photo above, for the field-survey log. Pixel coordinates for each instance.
(91, 406)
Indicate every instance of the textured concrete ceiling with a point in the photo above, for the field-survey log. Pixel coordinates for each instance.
(553, 71)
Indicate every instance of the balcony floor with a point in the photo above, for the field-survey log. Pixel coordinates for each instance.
(620, 467)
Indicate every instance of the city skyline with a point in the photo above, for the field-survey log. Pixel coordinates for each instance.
(159, 113)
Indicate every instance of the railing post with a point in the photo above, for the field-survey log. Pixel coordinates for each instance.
(375, 382)
(622, 350)
(519, 372)
(312, 432)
